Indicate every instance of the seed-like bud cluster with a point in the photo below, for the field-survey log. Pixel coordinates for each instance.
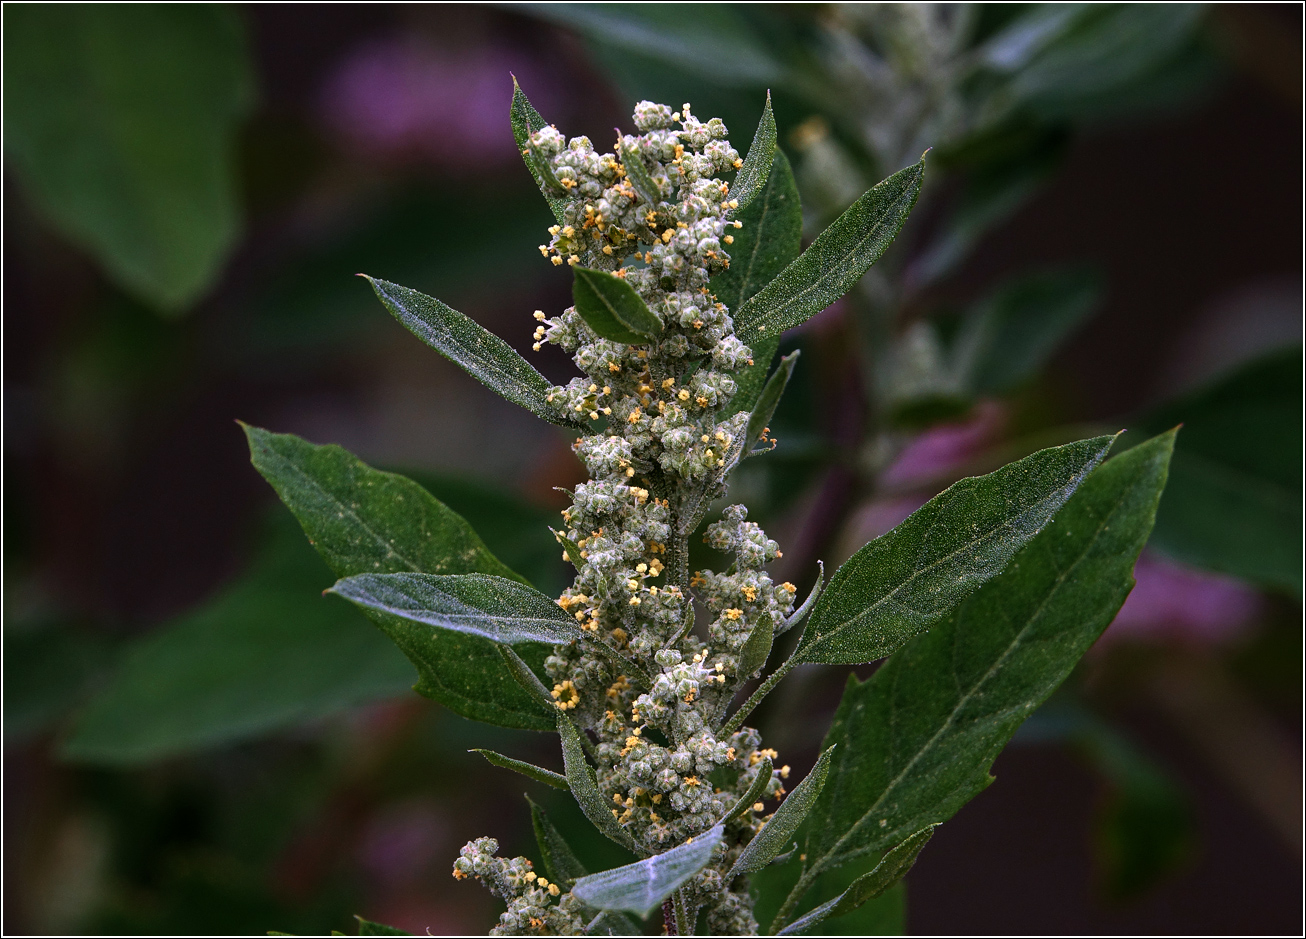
(665, 437)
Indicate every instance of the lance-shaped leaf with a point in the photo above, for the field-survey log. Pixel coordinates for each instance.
(751, 178)
(902, 583)
(764, 410)
(800, 614)
(756, 790)
(835, 261)
(526, 678)
(530, 770)
(640, 178)
(368, 928)
(560, 861)
(768, 242)
(363, 520)
(775, 834)
(525, 122)
(480, 353)
(641, 887)
(612, 308)
(891, 869)
(585, 789)
(757, 648)
(495, 608)
(569, 548)
(917, 738)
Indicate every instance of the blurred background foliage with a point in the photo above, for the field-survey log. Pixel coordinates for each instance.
(197, 742)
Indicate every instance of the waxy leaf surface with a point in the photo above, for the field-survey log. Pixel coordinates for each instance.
(835, 261)
(496, 608)
(641, 887)
(917, 738)
(466, 343)
(902, 583)
(612, 308)
(362, 520)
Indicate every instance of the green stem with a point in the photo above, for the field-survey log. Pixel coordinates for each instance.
(737, 720)
(684, 922)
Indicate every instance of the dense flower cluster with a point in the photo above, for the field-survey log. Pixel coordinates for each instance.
(668, 438)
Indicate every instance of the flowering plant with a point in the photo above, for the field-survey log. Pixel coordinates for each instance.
(982, 600)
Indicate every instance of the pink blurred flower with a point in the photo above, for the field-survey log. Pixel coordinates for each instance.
(1171, 601)
(404, 98)
(942, 449)
(401, 842)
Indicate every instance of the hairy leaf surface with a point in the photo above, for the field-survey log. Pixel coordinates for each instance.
(902, 583)
(560, 861)
(612, 308)
(775, 834)
(530, 770)
(525, 122)
(641, 887)
(585, 788)
(751, 178)
(764, 410)
(835, 261)
(479, 352)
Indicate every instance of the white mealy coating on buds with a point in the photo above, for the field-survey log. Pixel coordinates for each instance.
(664, 439)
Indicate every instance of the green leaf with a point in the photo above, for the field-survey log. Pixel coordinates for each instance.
(537, 773)
(122, 122)
(755, 791)
(775, 834)
(904, 582)
(891, 869)
(525, 122)
(760, 419)
(751, 178)
(362, 520)
(757, 648)
(640, 178)
(612, 308)
(835, 261)
(917, 738)
(799, 614)
(479, 352)
(641, 887)
(560, 862)
(264, 653)
(495, 608)
(48, 671)
(527, 679)
(771, 238)
(612, 923)
(1013, 333)
(369, 928)
(1234, 502)
(570, 548)
(585, 788)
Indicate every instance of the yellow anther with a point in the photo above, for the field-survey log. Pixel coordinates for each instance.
(758, 807)
(557, 261)
(539, 315)
(683, 394)
(733, 614)
(668, 382)
(666, 235)
(634, 601)
(729, 239)
(641, 567)
(553, 892)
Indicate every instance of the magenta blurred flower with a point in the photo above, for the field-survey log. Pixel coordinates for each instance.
(404, 98)
(402, 841)
(1174, 602)
(942, 449)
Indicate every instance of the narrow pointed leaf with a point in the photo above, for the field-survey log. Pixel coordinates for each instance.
(612, 308)
(891, 869)
(764, 410)
(757, 648)
(526, 121)
(776, 833)
(916, 739)
(580, 776)
(902, 583)
(799, 614)
(570, 548)
(612, 923)
(755, 791)
(494, 608)
(466, 343)
(362, 520)
(835, 261)
(640, 178)
(537, 773)
(526, 679)
(560, 862)
(641, 887)
(751, 178)
(368, 928)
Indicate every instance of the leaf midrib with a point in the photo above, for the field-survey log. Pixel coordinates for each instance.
(969, 695)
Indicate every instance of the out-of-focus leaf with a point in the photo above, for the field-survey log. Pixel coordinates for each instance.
(764, 410)
(368, 928)
(751, 178)
(612, 308)
(776, 833)
(1012, 334)
(479, 352)
(916, 740)
(883, 916)
(495, 608)
(47, 672)
(580, 776)
(530, 770)
(708, 39)
(122, 121)
(641, 887)
(266, 653)
(1234, 502)
(770, 240)
(835, 261)
(526, 121)
(892, 868)
(560, 862)
(362, 520)
(904, 582)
